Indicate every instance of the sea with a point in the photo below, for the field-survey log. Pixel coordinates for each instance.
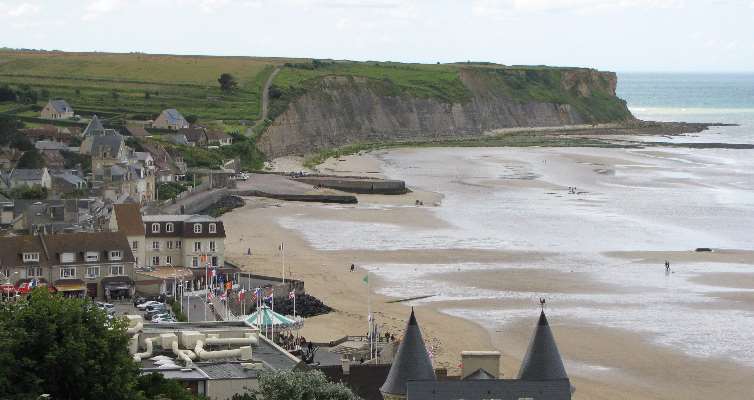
(725, 98)
(629, 200)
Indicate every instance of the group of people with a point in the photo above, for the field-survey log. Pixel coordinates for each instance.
(290, 342)
(572, 190)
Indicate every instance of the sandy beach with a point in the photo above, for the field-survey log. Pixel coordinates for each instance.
(503, 230)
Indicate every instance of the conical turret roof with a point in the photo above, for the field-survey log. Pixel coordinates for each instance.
(542, 361)
(411, 362)
(95, 127)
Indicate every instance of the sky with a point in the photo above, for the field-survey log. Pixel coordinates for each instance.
(617, 35)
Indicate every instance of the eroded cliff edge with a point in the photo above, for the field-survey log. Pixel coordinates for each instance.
(334, 110)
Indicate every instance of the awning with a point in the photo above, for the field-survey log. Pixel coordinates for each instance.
(118, 283)
(70, 285)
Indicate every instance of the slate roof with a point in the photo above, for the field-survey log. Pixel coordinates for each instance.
(129, 219)
(411, 362)
(542, 361)
(217, 135)
(94, 128)
(70, 178)
(183, 226)
(79, 243)
(480, 374)
(61, 106)
(110, 143)
(172, 116)
(137, 131)
(194, 134)
(20, 174)
(13, 247)
(489, 389)
(363, 379)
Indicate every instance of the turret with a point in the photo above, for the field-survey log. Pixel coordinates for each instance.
(411, 363)
(542, 361)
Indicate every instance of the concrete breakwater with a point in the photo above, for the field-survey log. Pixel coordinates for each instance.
(356, 184)
(316, 198)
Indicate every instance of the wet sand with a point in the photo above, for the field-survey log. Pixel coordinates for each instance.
(604, 362)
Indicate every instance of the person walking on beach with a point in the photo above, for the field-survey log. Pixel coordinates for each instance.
(353, 267)
(248, 251)
(667, 267)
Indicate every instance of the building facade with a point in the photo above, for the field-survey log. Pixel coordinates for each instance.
(57, 109)
(98, 265)
(190, 241)
(126, 218)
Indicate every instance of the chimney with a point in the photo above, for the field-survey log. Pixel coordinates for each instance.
(471, 361)
(346, 365)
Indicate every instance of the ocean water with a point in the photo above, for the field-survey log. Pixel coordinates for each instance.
(660, 199)
(726, 98)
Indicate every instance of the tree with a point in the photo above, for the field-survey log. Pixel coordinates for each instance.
(7, 94)
(155, 386)
(31, 159)
(63, 347)
(29, 193)
(227, 82)
(290, 385)
(191, 119)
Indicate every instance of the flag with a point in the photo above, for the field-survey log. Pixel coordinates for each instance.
(281, 247)
(242, 294)
(33, 283)
(366, 279)
(270, 296)
(257, 293)
(292, 294)
(214, 272)
(209, 296)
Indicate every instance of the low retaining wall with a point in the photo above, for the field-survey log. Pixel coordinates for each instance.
(316, 198)
(357, 185)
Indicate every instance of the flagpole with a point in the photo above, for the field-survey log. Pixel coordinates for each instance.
(369, 313)
(282, 253)
(272, 321)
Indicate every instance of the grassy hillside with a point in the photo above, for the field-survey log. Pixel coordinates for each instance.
(443, 82)
(140, 84)
(419, 80)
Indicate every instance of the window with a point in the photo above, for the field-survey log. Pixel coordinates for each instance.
(67, 258)
(197, 228)
(212, 245)
(156, 260)
(169, 227)
(169, 260)
(169, 244)
(212, 228)
(214, 261)
(116, 270)
(156, 245)
(177, 244)
(92, 256)
(33, 271)
(194, 262)
(116, 255)
(92, 272)
(67, 272)
(197, 246)
(155, 228)
(134, 245)
(31, 257)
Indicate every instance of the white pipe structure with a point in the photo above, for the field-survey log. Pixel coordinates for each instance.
(250, 340)
(136, 328)
(147, 353)
(187, 356)
(210, 355)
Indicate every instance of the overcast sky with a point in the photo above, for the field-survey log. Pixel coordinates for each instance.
(620, 35)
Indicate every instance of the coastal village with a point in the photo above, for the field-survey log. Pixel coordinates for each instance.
(91, 223)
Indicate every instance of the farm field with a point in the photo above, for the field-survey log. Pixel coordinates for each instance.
(141, 85)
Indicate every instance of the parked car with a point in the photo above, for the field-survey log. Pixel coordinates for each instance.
(146, 304)
(160, 316)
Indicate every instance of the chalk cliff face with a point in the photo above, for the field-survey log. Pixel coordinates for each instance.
(341, 110)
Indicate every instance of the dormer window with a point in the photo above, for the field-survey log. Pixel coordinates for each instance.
(197, 228)
(169, 227)
(92, 256)
(155, 228)
(66, 258)
(212, 228)
(116, 255)
(31, 257)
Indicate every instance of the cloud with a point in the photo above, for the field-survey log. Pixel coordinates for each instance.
(509, 7)
(19, 10)
(98, 8)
